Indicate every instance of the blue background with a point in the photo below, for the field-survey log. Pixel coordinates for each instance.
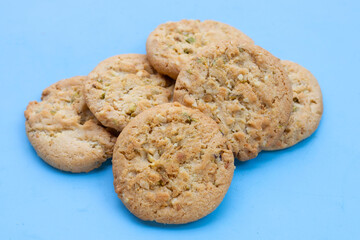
(310, 191)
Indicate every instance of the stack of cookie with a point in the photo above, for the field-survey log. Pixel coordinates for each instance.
(203, 94)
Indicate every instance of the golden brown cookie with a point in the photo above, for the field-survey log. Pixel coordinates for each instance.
(244, 89)
(64, 132)
(307, 106)
(171, 45)
(121, 87)
(171, 164)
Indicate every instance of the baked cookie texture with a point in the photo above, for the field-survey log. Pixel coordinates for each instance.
(244, 89)
(307, 106)
(64, 132)
(172, 165)
(171, 45)
(121, 87)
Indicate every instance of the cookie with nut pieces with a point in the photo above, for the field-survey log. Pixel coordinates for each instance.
(172, 165)
(64, 132)
(122, 86)
(244, 88)
(171, 45)
(307, 106)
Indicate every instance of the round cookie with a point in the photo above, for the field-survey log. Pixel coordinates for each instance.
(244, 89)
(171, 164)
(307, 106)
(121, 87)
(64, 132)
(171, 45)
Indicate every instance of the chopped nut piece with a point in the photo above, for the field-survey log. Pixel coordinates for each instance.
(190, 40)
(188, 50)
(150, 158)
(131, 109)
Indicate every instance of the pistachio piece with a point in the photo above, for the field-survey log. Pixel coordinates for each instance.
(189, 119)
(188, 50)
(190, 40)
(150, 158)
(131, 109)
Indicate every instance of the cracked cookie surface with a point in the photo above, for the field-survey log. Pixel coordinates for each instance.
(307, 106)
(171, 45)
(171, 164)
(244, 89)
(64, 132)
(122, 86)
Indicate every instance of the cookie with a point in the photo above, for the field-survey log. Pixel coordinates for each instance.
(121, 87)
(171, 45)
(64, 132)
(307, 106)
(244, 89)
(172, 165)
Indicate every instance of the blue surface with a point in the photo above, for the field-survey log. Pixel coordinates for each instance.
(310, 191)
